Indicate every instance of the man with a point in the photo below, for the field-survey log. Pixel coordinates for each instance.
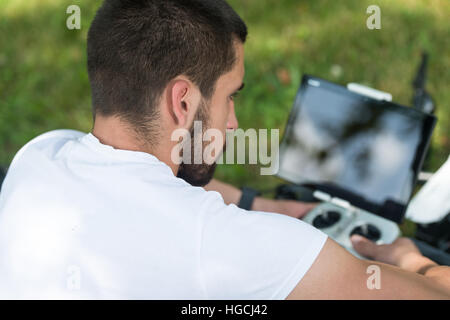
(110, 214)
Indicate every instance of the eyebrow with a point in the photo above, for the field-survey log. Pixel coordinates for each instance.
(240, 88)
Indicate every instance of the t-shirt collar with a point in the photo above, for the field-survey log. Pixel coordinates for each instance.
(94, 143)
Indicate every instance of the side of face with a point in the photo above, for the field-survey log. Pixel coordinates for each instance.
(184, 105)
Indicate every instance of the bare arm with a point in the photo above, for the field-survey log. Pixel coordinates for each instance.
(336, 274)
(231, 194)
(404, 254)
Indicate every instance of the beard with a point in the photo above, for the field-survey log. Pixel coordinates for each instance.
(198, 175)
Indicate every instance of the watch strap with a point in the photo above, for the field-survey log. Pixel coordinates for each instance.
(247, 198)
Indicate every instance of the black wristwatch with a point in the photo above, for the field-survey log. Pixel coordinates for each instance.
(247, 197)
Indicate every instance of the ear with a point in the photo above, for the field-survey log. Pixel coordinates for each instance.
(183, 100)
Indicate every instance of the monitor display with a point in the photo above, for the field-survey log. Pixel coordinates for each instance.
(366, 151)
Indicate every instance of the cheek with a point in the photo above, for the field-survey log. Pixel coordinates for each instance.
(222, 119)
(219, 118)
(220, 114)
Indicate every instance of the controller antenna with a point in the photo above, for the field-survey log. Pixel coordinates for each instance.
(422, 99)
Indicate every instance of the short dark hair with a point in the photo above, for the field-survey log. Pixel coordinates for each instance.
(136, 47)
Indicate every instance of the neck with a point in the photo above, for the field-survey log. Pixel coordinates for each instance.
(115, 132)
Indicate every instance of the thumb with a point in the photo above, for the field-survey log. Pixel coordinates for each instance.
(363, 246)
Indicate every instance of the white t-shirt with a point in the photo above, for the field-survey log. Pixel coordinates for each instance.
(79, 219)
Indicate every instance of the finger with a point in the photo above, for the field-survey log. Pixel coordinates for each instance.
(364, 246)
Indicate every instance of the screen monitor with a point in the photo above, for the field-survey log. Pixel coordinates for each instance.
(366, 151)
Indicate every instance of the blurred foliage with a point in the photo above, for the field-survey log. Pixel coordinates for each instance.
(44, 83)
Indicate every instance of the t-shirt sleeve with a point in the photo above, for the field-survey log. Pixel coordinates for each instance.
(255, 255)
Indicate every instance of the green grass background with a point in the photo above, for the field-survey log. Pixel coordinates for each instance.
(44, 83)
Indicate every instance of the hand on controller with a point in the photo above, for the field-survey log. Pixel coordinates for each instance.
(402, 253)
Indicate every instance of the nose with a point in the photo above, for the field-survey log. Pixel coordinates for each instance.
(232, 123)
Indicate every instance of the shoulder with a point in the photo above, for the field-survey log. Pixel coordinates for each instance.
(61, 134)
(48, 140)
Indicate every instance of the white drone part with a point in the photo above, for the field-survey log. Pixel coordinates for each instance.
(341, 203)
(369, 92)
(432, 202)
(322, 196)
